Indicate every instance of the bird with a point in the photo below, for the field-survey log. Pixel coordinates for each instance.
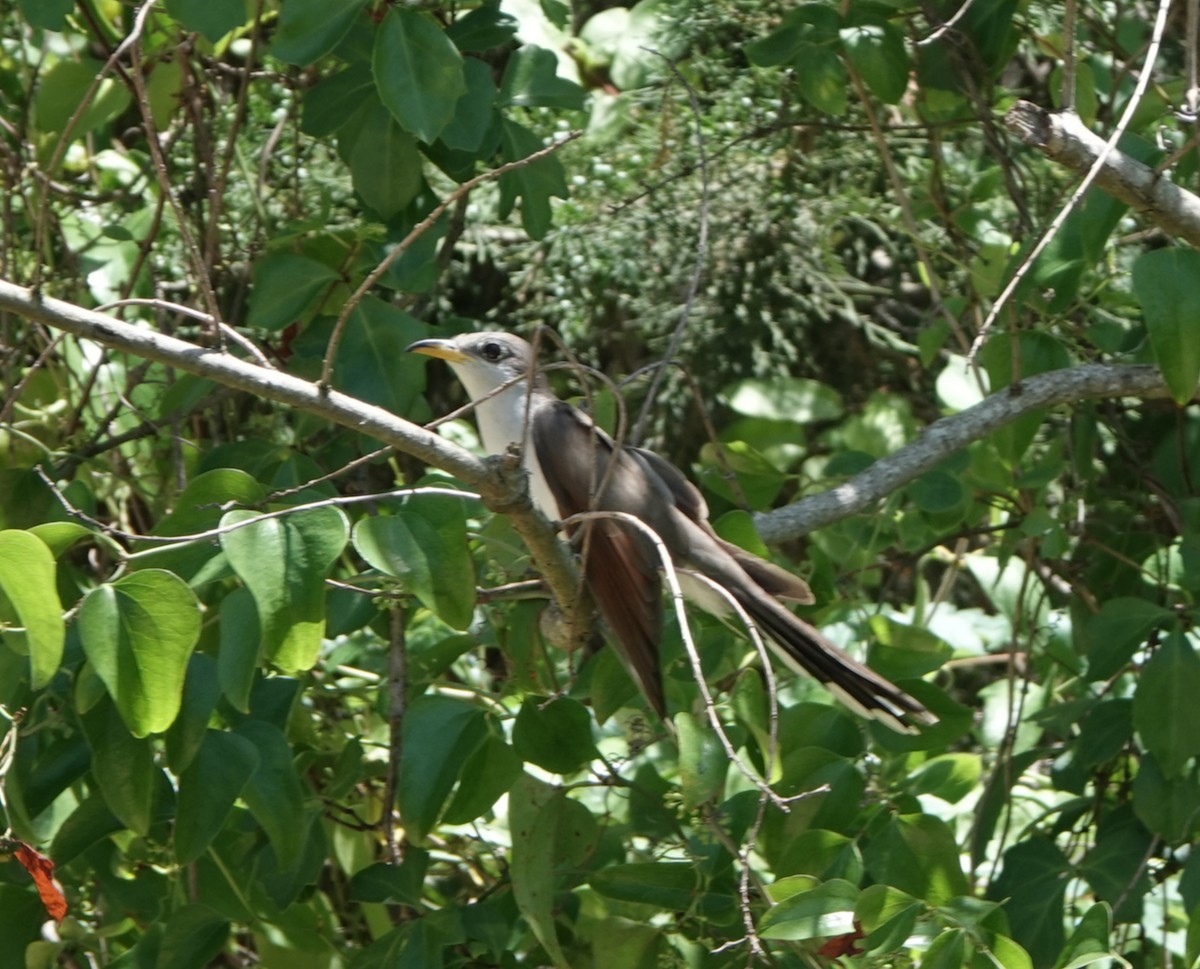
(574, 467)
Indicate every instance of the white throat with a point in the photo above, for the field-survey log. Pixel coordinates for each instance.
(502, 420)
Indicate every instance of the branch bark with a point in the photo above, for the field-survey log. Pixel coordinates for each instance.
(497, 481)
(1063, 137)
(500, 487)
(943, 437)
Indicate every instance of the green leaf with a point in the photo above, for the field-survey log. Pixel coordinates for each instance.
(474, 114)
(418, 72)
(948, 776)
(1114, 866)
(492, 769)
(283, 562)
(385, 166)
(27, 580)
(1168, 807)
(534, 184)
(192, 938)
(60, 536)
(310, 29)
(212, 18)
(122, 766)
(1165, 712)
(703, 762)
(208, 788)
(61, 89)
(903, 652)
(439, 737)
(1032, 885)
(917, 854)
(241, 644)
(335, 99)
(200, 694)
(947, 951)
(876, 51)
(371, 358)
(1105, 732)
(1117, 631)
(1035, 352)
(937, 492)
(671, 886)
(481, 29)
(541, 820)
(821, 79)
(796, 400)
(138, 633)
(1091, 940)
(273, 792)
(822, 910)
(556, 734)
(425, 544)
(47, 14)
(287, 289)
(531, 80)
(810, 23)
(1167, 284)
(400, 884)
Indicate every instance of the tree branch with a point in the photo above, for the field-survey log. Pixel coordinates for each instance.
(942, 438)
(1064, 138)
(498, 481)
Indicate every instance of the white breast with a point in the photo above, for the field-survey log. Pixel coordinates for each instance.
(502, 421)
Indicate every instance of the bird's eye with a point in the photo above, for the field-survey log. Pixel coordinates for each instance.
(492, 351)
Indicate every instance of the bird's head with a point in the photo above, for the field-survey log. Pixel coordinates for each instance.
(482, 361)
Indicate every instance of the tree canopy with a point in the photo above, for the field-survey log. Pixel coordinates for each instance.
(910, 291)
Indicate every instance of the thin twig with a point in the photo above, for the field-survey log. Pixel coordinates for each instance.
(1139, 91)
(417, 231)
(639, 428)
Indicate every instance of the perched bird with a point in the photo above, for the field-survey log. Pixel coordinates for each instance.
(568, 461)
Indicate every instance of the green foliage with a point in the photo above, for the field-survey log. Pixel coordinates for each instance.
(260, 709)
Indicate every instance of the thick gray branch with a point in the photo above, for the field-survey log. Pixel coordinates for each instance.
(936, 443)
(1063, 137)
(942, 438)
(501, 491)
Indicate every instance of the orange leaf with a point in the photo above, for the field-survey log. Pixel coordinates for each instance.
(842, 945)
(42, 870)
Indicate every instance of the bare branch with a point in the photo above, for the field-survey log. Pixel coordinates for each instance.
(942, 438)
(1064, 138)
(498, 481)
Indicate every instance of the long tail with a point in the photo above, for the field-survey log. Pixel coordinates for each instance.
(805, 650)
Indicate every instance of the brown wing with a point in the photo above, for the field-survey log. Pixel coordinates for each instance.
(620, 568)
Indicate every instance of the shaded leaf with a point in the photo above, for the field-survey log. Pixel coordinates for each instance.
(556, 734)
(208, 788)
(439, 736)
(917, 854)
(703, 762)
(1032, 885)
(1167, 284)
(1165, 711)
(310, 29)
(122, 765)
(273, 791)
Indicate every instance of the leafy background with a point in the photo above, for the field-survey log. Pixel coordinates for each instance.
(250, 733)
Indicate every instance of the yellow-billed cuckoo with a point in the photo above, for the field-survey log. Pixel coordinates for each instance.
(567, 459)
